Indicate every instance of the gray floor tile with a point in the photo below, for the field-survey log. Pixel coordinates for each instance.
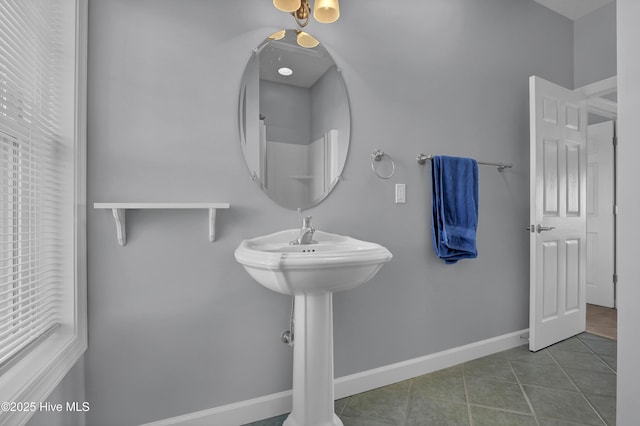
(555, 422)
(383, 404)
(611, 361)
(499, 355)
(602, 347)
(589, 336)
(273, 421)
(579, 360)
(573, 344)
(402, 386)
(561, 405)
(550, 376)
(522, 353)
(593, 382)
(459, 368)
(339, 405)
(356, 421)
(490, 368)
(483, 416)
(496, 394)
(446, 384)
(431, 412)
(605, 406)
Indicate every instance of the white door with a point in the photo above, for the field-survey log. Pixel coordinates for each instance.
(600, 214)
(558, 125)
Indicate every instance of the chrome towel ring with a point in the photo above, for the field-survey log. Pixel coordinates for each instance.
(377, 156)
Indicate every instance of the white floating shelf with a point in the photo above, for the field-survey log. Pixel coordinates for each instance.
(119, 214)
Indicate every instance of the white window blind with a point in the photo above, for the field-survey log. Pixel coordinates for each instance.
(30, 200)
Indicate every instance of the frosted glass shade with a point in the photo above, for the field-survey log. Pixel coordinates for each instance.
(307, 40)
(287, 5)
(326, 11)
(278, 35)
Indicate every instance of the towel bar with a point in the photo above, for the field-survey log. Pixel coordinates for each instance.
(422, 159)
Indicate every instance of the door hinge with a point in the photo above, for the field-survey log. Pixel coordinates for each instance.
(615, 278)
(615, 209)
(615, 141)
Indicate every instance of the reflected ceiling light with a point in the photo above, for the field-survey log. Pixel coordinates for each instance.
(278, 35)
(306, 40)
(325, 11)
(285, 71)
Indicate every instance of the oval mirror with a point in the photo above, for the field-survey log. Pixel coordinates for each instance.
(294, 120)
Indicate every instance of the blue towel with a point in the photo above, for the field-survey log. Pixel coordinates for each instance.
(455, 207)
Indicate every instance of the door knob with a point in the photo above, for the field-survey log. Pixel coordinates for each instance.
(541, 228)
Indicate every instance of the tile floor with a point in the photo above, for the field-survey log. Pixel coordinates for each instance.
(570, 383)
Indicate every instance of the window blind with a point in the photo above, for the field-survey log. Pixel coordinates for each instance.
(30, 196)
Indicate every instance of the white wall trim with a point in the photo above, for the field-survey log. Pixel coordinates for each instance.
(279, 403)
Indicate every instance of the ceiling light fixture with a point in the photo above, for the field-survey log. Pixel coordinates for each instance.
(278, 35)
(325, 11)
(285, 71)
(306, 39)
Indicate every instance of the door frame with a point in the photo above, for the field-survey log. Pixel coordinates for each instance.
(607, 109)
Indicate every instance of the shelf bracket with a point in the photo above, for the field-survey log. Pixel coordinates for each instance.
(119, 216)
(212, 225)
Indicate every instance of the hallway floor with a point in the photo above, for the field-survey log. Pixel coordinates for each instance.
(570, 383)
(602, 321)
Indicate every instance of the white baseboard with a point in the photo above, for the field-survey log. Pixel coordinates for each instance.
(275, 404)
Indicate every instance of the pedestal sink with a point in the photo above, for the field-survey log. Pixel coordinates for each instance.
(311, 273)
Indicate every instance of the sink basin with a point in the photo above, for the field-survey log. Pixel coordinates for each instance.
(334, 263)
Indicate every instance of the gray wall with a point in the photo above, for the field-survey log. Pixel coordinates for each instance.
(594, 49)
(175, 324)
(288, 112)
(328, 109)
(594, 44)
(629, 202)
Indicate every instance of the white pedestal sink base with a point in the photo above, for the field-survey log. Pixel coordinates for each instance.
(313, 362)
(312, 273)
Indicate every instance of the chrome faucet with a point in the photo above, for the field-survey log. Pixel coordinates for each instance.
(306, 233)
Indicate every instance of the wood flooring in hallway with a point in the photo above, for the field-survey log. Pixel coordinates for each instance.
(602, 321)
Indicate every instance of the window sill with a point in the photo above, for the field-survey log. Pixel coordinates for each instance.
(32, 378)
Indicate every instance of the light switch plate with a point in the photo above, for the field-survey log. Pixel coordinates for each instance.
(401, 193)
